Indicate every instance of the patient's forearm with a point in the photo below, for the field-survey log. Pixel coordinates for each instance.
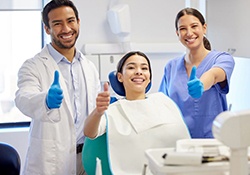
(91, 124)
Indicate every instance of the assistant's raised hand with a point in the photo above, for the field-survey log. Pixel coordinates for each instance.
(102, 100)
(55, 94)
(195, 86)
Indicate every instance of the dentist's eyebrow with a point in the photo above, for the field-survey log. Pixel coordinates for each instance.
(56, 21)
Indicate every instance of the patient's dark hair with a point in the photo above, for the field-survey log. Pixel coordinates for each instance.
(56, 4)
(129, 54)
(197, 14)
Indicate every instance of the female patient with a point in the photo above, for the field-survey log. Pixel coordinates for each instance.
(137, 122)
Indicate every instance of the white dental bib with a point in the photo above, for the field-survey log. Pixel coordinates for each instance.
(134, 126)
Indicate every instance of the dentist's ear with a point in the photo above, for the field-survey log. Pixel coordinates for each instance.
(47, 29)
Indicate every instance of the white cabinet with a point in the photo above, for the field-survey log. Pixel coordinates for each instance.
(108, 63)
(104, 64)
(94, 59)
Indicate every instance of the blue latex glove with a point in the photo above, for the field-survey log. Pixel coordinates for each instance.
(55, 94)
(195, 86)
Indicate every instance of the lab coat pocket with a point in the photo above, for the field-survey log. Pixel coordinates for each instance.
(41, 157)
(53, 116)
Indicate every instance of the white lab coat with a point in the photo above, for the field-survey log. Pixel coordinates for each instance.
(52, 146)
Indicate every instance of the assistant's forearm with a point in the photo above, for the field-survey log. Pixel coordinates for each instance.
(207, 80)
(212, 77)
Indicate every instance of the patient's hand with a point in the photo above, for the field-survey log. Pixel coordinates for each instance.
(103, 99)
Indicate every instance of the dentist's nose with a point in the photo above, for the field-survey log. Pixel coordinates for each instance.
(66, 28)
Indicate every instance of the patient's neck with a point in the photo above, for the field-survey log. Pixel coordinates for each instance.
(135, 96)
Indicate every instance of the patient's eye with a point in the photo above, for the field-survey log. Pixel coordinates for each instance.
(130, 67)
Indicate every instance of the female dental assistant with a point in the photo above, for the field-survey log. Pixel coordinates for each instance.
(199, 80)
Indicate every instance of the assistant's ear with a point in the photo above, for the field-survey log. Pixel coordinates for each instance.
(205, 28)
(177, 33)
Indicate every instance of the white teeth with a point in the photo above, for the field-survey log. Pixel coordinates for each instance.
(191, 40)
(137, 80)
(66, 37)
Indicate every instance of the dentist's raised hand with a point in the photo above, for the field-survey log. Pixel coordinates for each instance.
(102, 100)
(195, 86)
(55, 94)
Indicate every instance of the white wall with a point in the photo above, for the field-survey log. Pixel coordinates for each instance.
(152, 31)
(239, 94)
(18, 138)
(228, 25)
(228, 29)
(151, 21)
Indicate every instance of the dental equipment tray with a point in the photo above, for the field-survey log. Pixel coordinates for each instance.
(157, 166)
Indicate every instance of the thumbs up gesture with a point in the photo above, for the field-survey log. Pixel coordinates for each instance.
(102, 100)
(195, 86)
(55, 94)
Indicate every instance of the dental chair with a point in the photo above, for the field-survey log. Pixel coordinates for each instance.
(9, 160)
(98, 148)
